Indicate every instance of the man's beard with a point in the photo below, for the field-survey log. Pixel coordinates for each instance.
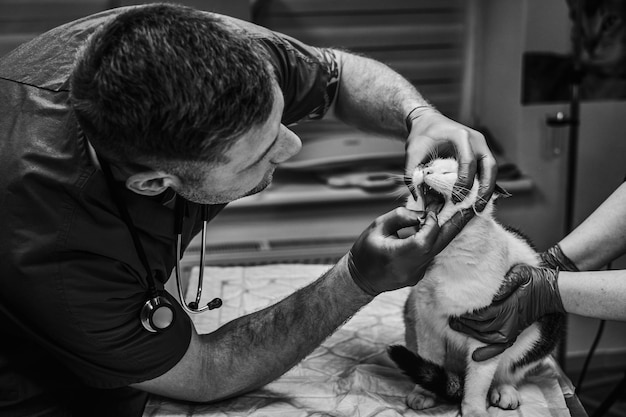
(192, 194)
(265, 182)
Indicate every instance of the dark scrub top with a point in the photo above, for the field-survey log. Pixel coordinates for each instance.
(71, 284)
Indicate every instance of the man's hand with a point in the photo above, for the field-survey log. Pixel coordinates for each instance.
(381, 261)
(430, 130)
(527, 294)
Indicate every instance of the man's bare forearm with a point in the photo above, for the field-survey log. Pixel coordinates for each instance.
(373, 97)
(253, 350)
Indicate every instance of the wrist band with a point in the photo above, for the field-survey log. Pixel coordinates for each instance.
(408, 120)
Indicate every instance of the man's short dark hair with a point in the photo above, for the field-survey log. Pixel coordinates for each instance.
(164, 83)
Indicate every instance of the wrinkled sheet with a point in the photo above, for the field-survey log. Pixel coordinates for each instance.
(349, 374)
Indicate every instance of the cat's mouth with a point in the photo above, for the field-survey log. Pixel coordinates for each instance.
(432, 198)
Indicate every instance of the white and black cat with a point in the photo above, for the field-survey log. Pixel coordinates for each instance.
(464, 277)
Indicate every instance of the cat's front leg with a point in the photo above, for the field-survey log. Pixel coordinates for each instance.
(420, 399)
(505, 396)
(431, 347)
(478, 379)
(504, 393)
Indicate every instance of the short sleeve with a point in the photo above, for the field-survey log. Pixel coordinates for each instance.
(93, 325)
(308, 76)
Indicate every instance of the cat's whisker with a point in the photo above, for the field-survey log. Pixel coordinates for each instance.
(405, 182)
(399, 178)
(406, 178)
(399, 195)
(432, 154)
(458, 194)
(459, 191)
(466, 189)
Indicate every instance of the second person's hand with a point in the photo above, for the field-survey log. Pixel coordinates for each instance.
(527, 294)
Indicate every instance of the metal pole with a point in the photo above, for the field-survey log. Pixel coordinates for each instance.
(572, 160)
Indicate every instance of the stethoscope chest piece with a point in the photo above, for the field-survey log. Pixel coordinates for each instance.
(157, 314)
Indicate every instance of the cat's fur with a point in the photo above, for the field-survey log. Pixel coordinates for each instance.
(602, 33)
(462, 278)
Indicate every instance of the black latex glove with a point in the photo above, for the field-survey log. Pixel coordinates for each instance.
(555, 258)
(381, 261)
(527, 294)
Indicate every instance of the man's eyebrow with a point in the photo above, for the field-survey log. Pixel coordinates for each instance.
(260, 158)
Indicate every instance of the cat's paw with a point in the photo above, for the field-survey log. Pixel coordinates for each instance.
(420, 400)
(507, 397)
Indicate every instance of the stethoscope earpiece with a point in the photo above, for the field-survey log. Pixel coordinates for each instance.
(157, 314)
(214, 303)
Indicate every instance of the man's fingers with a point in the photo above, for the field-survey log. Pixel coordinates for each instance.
(487, 352)
(427, 235)
(418, 151)
(397, 219)
(467, 165)
(487, 172)
(451, 228)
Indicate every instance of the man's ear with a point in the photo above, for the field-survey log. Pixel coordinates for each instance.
(152, 183)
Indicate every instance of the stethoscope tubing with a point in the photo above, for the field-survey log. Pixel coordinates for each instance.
(192, 308)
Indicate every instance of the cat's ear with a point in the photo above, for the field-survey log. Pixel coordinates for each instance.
(501, 192)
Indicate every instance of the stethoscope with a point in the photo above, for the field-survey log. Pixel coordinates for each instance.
(157, 313)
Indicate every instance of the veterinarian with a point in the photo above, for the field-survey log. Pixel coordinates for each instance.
(125, 129)
(568, 282)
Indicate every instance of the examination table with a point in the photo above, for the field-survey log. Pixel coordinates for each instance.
(350, 374)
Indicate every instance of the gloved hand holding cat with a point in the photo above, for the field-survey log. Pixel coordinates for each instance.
(527, 294)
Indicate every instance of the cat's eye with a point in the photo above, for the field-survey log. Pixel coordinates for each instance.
(610, 21)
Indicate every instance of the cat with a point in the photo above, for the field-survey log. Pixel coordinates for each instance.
(602, 35)
(464, 277)
(598, 33)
